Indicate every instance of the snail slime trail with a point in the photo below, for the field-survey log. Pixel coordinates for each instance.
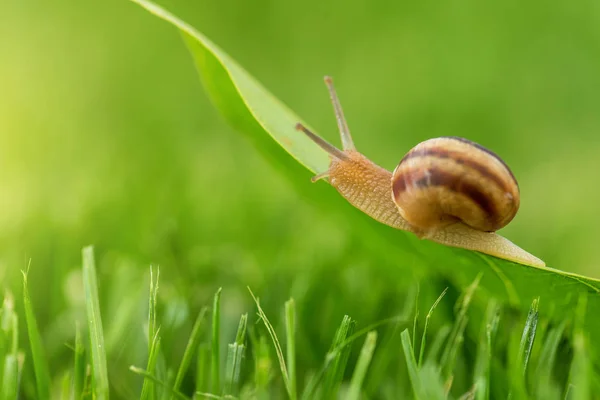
(448, 189)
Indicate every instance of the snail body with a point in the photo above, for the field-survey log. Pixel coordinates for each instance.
(448, 189)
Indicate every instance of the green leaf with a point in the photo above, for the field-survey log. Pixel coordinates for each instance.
(269, 125)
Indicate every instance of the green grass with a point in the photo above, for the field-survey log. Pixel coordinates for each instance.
(107, 138)
(255, 365)
(40, 364)
(215, 355)
(190, 349)
(94, 318)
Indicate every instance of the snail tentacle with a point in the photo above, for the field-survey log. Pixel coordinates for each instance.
(347, 142)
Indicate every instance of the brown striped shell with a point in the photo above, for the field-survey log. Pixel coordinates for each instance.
(446, 179)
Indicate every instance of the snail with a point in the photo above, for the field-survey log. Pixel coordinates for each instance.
(449, 190)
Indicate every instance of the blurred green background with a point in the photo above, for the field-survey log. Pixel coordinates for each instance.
(107, 137)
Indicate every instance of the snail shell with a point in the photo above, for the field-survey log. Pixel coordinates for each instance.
(448, 179)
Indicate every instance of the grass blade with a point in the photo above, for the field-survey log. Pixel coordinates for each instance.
(263, 365)
(528, 336)
(9, 349)
(148, 376)
(546, 387)
(235, 354)
(434, 388)
(40, 365)
(78, 375)
(92, 303)
(335, 363)
(518, 372)
(203, 367)
(275, 340)
(65, 386)
(336, 369)
(148, 389)
(438, 343)
(456, 336)
(579, 375)
(341, 347)
(10, 378)
(8, 328)
(362, 365)
(215, 378)
(385, 360)
(190, 348)
(411, 364)
(416, 318)
(290, 329)
(152, 299)
(424, 337)
(484, 351)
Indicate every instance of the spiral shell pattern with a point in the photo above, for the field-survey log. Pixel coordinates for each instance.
(447, 179)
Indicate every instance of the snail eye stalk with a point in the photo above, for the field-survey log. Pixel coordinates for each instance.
(347, 142)
(325, 145)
